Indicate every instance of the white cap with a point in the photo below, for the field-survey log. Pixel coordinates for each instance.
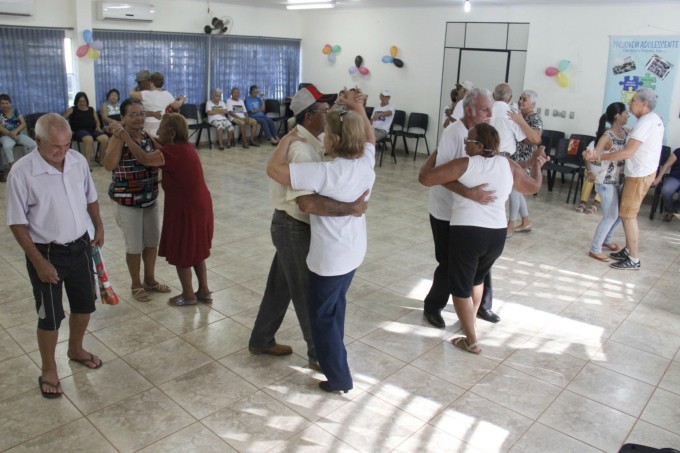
(307, 96)
(385, 93)
(467, 85)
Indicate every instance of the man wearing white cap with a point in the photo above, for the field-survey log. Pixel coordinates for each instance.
(454, 111)
(383, 116)
(289, 276)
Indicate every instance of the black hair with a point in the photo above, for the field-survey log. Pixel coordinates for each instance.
(112, 90)
(252, 87)
(126, 105)
(5, 97)
(80, 94)
(609, 116)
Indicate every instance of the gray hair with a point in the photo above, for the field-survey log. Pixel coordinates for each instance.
(647, 95)
(472, 95)
(531, 95)
(217, 90)
(502, 92)
(50, 121)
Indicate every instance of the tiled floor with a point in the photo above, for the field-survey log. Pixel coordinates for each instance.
(585, 358)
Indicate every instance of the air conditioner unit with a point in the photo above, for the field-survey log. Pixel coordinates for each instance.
(17, 7)
(126, 11)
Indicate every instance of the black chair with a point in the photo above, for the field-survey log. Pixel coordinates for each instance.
(369, 111)
(272, 108)
(549, 139)
(564, 163)
(657, 202)
(583, 142)
(31, 119)
(397, 126)
(190, 112)
(417, 121)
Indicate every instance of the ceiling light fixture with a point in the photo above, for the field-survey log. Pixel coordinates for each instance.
(311, 6)
(293, 2)
(466, 6)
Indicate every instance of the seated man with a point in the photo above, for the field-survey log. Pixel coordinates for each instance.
(671, 185)
(255, 107)
(383, 116)
(236, 112)
(12, 133)
(217, 111)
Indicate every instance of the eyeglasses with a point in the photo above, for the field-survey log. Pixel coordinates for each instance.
(136, 114)
(467, 140)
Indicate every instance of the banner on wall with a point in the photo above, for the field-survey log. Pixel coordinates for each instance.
(642, 61)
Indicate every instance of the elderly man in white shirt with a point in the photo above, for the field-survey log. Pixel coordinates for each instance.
(50, 200)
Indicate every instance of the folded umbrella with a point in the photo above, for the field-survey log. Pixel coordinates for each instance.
(108, 296)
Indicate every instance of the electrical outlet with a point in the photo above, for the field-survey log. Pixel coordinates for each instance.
(555, 112)
(571, 115)
(563, 114)
(538, 110)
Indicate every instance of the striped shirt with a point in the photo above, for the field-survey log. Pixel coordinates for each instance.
(134, 184)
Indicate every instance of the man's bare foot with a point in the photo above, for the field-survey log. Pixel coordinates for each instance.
(85, 358)
(50, 387)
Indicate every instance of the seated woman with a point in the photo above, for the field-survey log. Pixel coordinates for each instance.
(671, 185)
(187, 232)
(110, 110)
(255, 107)
(85, 126)
(338, 244)
(477, 234)
(12, 133)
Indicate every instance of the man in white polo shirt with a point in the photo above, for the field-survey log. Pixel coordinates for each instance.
(642, 153)
(512, 128)
(50, 199)
(383, 116)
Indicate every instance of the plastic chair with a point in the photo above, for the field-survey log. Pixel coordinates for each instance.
(31, 119)
(549, 139)
(657, 202)
(272, 108)
(369, 111)
(565, 164)
(190, 112)
(415, 121)
(397, 126)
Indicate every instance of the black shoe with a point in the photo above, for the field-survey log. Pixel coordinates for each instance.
(325, 386)
(627, 265)
(620, 255)
(435, 319)
(488, 315)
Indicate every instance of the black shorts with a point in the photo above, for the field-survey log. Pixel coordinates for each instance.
(472, 252)
(73, 263)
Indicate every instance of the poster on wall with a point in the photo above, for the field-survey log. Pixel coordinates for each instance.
(642, 61)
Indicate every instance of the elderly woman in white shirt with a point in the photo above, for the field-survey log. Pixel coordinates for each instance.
(338, 244)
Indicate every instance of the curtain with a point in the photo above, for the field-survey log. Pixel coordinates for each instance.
(33, 72)
(181, 58)
(270, 63)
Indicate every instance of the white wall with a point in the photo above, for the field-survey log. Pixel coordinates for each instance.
(577, 33)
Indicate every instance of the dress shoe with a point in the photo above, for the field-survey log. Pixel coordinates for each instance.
(435, 319)
(488, 315)
(325, 386)
(315, 366)
(277, 349)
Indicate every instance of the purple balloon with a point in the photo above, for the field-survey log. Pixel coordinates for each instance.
(97, 44)
(352, 70)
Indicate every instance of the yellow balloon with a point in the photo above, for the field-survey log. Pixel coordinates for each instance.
(96, 55)
(562, 80)
(90, 52)
(393, 51)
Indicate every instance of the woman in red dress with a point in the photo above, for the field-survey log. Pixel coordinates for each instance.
(187, 232)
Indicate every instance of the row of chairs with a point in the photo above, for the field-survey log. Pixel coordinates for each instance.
(416, 127)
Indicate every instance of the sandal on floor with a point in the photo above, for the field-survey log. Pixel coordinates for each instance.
(581, 207)
(461, 343)
(524, 229)
(141, 295)
(599, 256)
(158, 288)
(49, 395)
(87, 360)
(614, 247)
(181, 301)
(205, 298)
(591, 210)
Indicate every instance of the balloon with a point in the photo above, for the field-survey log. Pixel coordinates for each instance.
(353, 70)
(394, 50)
(336, 48)
(82, 50)
(363, 71)
(95, 54)
(551, 71)
(207, 29)
(387, 59)
(358, 60)
(87, 36)
(97, 45)
(562, 80)
(564, 65)
(398, 63)
(326, 49)
(331, 58)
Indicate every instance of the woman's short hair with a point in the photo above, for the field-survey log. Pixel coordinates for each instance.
(350, 129)
(5, 97)
(127, 103)
(80, 94)
(157, 79)
(112, 90)
(531, 95)
(487, 135)
(177, 123)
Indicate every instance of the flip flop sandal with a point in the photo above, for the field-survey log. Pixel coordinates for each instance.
(181, 301)
(460, 343)
(591, 210)
(600, 257)
(90, 359)
(205, 298)
(49, 395)
(581, 207)
(141, 295)
(158, 288)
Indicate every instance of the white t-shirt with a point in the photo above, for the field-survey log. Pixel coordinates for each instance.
(457, 114)
(155, 101)
(237, 107)
(283, 197)
(386, 122)
(509, 132)
(338, 244)
(210, 105)
(494, 171)
(649, 130)
(450, 147)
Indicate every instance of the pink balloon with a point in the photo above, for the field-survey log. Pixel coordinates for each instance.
(551, 71)
(363, 70)
(82, 50)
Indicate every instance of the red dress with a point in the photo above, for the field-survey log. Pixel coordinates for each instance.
(186, 236)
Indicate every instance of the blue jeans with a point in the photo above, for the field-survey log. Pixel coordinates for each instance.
(327, 313)
(8, 145)
(268, 125)
(609, 203)
(288, 279)
(670, 187)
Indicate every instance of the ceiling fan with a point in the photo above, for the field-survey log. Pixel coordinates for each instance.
(220, 25)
